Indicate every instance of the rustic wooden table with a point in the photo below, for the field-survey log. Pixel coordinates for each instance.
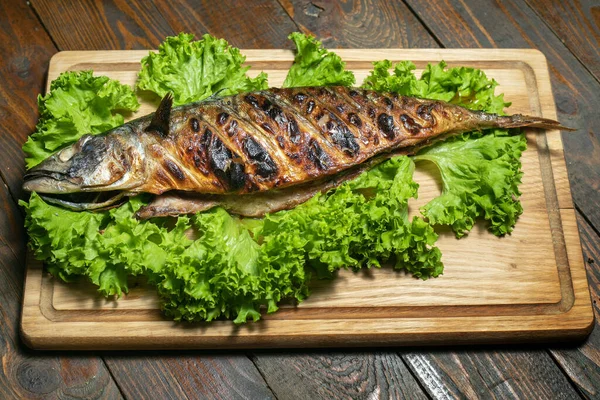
(566, 32)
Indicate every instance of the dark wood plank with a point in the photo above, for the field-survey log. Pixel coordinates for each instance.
(102, 25)
(173, 375)
(119, 24)
(490, 374)
(250, 25)
(582, 363)
(577, 24)
(513, 24)
(360, 24)
(347, 375)
(467, 24)
(24, 373)
(25, 50)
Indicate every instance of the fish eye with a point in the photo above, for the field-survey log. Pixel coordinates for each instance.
(93, 144)
(81, 143)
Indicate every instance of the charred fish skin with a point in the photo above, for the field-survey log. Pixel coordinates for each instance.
(256, 142)
(281, 137)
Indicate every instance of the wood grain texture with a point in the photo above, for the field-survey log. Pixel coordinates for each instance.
(458, 23)
(249, 24)
(582, 363)
(179, 375)
(164, 371)
(577, 25)
(468, 24)
(102, 25)
(359, 24)
(509, 295)
(336, 375)
(25, 374)
(26, 50)
(487, 373)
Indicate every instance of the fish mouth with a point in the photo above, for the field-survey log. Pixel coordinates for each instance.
(57, 188)
(45, 181)
(90, 201)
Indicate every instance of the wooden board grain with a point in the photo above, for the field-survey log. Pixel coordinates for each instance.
(528, 286)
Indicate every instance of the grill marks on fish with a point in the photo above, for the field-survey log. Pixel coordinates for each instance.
(316, 154)
(219, 156)
(304, 149)
(174, 169)
(222, 118)
(265, 166)
(255, 146)
(332, 123)
(410, 125)
(195, 124)
(385, 123)
(220, 168)
(259, 139)
(281, 137)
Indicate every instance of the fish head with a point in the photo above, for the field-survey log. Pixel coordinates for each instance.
(93, 164)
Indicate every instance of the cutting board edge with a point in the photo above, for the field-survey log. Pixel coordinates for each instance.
(41, 334)
(585, 320)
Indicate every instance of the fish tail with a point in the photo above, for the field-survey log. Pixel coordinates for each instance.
(518, 121)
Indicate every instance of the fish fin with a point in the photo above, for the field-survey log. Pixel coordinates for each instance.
(93, 205)
(217, 94)
(172, 204)
(518, 120)
(161, 118)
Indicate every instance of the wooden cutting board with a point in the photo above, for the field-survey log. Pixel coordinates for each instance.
(529, 286)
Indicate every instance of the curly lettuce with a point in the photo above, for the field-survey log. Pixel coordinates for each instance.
(480, 174)
(193, 70)
(78, 103)
(464, 86)
(480, 178)
(316, 66)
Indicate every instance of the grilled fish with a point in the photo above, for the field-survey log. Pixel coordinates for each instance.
(253, 143)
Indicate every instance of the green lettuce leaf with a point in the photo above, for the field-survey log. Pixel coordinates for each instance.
(480, 174)
(480, 179)
(464, 86)
(64, 239)
(315, 66)
(194, 70)
(104, 247)
(78, 103)
(363, 222)
(222, 275)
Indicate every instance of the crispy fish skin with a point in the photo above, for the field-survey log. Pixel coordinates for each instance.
(256, 142)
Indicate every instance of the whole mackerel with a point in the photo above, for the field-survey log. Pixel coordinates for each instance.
(256, 142)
